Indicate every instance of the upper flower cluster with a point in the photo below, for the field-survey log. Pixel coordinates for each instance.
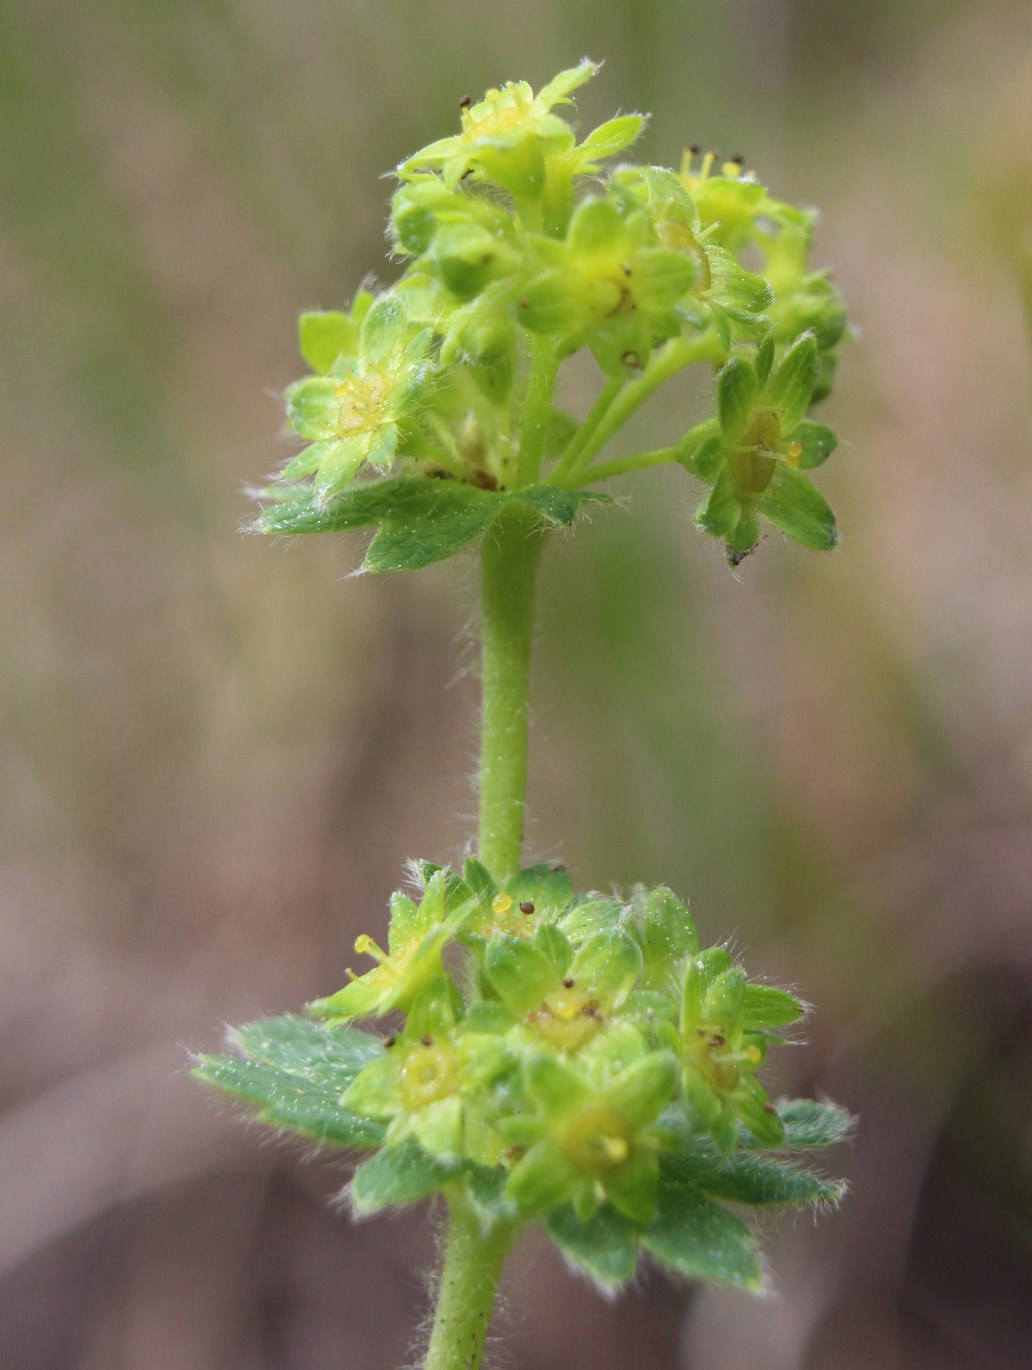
(578, 1059)
(518, 249)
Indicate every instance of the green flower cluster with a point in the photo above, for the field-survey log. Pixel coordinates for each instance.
(574, 1059)
(520, 249)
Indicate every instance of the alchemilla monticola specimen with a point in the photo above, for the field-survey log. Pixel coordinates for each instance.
(575, 1059)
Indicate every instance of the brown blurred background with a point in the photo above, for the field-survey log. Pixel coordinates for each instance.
(217, 751)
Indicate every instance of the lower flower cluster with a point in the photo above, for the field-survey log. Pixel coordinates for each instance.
(577, 1059)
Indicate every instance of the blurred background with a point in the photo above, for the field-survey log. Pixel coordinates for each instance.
(218, 750)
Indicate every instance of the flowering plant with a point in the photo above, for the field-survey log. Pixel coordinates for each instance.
(579, 1060)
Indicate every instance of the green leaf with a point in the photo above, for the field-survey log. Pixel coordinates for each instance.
(767, 1007)
(485, 1190)
(330, 1053)
(696, 1237)
(737, 390)
(558, 506)
(795, 506)
(444, 519)
(746, 1178)
(398, 1175)
(324, 336)
(290, 1100)
(604, 1248)
(808, 1123)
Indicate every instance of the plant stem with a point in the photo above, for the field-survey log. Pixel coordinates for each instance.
(604, 469)
(536, 406)
(675, 355)
(510, 558)
(473, 1261)
(571, 453)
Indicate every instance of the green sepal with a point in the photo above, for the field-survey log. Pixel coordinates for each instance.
(400, 1174)
(325, 335)
(701, 450)
(767, 1007)
(607, 964)
(609, 138)
(543, 1178)
(588, 914)
(737, 391)
(790, 387)
(666, 933)
(548, 888)
(795, 506)
(818, 442)
(604, 1248)
(641, 1091)
(720, 510)
(552, 943)
(632, 1187)
(696, 1237)
(520, 973)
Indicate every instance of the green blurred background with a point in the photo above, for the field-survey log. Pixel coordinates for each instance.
(218, 750)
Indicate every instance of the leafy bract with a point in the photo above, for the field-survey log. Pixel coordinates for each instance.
(421, 520)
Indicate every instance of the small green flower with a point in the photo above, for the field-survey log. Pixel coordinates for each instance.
(506, 136)
(564, 997)
(724, 1028)
(756, 451)
(587, 1142)
(432, 1082)
(353, 413)
(415, 936)
(610, 284)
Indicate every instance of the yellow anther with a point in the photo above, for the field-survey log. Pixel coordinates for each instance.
(616, 1149)
(731, 169)
(501, 903)
(365, 946)
(754, 1054)
(794, 451)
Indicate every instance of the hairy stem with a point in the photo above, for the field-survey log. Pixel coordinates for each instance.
(537, 404)
(472, 1263)
(673, 357)
(571, 453)
(604, 469)
(510, 558)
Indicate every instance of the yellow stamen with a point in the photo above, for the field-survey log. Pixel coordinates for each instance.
(754, 1054)
(501, 903)
(731, 170)
(365, 946)
(707, 162)
(793, 452)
